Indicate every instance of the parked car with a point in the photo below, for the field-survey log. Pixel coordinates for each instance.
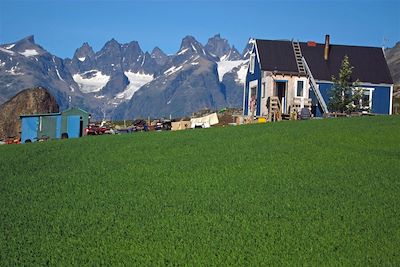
(96, 130)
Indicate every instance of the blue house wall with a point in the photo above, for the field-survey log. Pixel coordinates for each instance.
(251, 77)
(380, 98)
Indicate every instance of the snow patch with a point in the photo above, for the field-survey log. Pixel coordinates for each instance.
(9, 46)
(136, 80)
(144, 58)
(183, 51)
(93, 84)
(81, 59)
(172, 70)
(242, 73)
(194, 48)
(29, 53)
(195, 63)
(14, 71)
(59, 76)
(72, 88)
(227, 66)
(7, 51)
(225, 57)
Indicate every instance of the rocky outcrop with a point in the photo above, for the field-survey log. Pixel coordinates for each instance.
(393, 60)
(29, 101)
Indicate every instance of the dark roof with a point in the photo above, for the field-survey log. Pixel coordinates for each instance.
(276, 55)
(369, 62)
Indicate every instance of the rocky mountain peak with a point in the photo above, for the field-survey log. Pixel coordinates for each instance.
(29, 39)
(190, 44)
(217, 46)
(111, 45)
(132, 50)
(84, 51)
(157, 53)
(134, 45)
(27, 47)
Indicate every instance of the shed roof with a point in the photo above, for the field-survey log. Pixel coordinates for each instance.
(39, 115)
(75, 109)
(369, 62)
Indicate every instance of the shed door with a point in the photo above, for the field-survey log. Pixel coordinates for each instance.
(73, 125)
(29, 128)
(49, 127)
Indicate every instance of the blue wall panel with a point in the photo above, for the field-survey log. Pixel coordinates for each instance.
(251, 77)
(58, 127)
(29, 129)
(73, 126)
(381, 100)
(380, 97)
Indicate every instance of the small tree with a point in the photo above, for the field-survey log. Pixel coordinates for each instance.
(344, 94)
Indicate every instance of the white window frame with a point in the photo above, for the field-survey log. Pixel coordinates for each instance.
(263, 87)
(252, 63)
(297, 83)
(370, 90)
(252, 84)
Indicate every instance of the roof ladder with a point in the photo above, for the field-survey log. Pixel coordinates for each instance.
(315, 87)
(298, 56)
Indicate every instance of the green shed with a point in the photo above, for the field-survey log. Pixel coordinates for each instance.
(74, 121)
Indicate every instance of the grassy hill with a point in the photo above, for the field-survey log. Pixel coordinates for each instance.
(322, 192)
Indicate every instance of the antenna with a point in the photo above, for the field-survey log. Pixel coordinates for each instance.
(385, 41)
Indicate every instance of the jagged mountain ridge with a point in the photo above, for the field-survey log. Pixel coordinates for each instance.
(193, 79)
(101, 81)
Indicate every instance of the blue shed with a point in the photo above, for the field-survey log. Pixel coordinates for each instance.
(68, 124)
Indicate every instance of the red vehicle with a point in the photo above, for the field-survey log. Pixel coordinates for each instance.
(95, 130)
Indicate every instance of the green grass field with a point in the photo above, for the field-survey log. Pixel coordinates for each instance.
(322, 192)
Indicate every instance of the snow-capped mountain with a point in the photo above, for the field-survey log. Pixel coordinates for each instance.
(114, 73)
(196, 77)
(123, 81)
(25, 64)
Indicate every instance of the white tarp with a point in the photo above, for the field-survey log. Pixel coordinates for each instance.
(180, 125)
(204, 122)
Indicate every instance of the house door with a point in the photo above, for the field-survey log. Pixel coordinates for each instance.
(280, 92)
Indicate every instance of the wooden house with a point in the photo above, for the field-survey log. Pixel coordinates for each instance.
(286, 76)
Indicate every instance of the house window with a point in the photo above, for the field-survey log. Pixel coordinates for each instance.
(300, 87)
(252, 63)
(263, 90)
(366, 100)
(253, 92)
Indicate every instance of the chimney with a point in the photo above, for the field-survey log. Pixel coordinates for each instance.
(326, 49)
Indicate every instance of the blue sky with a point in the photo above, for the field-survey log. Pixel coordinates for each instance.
(61, 26)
